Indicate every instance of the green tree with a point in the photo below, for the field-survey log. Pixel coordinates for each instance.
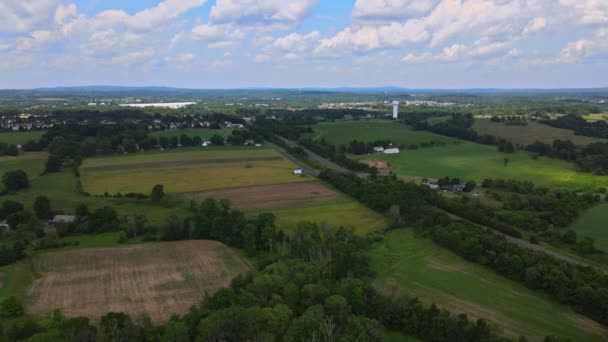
(217, 139)
(469, 186)
(11, 307)
(15, 180)
(158, 192)
(10, 207)
(42, 207)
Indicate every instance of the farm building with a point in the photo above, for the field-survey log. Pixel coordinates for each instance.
(297, 171)
(63, 219)
(391, 151)
(378, 149)
(59, 220)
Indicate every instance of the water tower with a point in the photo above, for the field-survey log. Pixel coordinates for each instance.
(395, 110)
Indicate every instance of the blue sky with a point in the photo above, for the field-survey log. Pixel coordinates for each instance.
(305, 43)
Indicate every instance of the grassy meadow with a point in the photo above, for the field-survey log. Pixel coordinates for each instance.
(594, 224)
(15, 138)
(346, 213)
(525, 135)
(470, 161)
(343, 132)
(408, 265)
(596, 117)
(187, 170)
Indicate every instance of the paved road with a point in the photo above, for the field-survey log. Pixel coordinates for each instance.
(323, 161)
(518, 242)
(305, 168)
(525, 244)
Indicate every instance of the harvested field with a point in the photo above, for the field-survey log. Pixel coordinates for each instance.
(158, 279)
(525, 135)
(274, 196)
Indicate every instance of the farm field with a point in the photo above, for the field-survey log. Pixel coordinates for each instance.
(525, 135)
(61, 189)
(204, 133)
(347, 213)
(343, 132)
(415, 266)
(470, 161)
(187, 171)
(157, 279)
(16, 138)
(31, 162)
(594, 224)
(274, 196)
(596, 117)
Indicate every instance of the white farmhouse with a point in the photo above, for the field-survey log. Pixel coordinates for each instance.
(391, 151)
(297, 171)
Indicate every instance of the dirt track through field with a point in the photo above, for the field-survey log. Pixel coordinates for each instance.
(176, 163)
(273, 196)
(158, 279)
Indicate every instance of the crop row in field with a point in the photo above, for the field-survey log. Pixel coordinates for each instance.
(415, 266)
(525, 135)
(296, 202)
(158, 279)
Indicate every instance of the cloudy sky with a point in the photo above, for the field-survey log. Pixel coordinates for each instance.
(304, 43)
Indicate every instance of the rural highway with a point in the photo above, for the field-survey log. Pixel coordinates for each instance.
(333, 166)
(523, 243)
(323, 161)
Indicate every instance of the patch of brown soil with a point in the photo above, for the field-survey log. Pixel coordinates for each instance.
(273, 196)
(378, 164)
(157, 279)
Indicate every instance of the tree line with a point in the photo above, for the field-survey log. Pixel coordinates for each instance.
(583, 288)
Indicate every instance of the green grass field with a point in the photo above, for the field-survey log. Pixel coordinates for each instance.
(32, 163)
(594, 224)
(470, 161)
(16, 138)
(343, 132)
(191, 132)
(596, 117)
(187, 170)
(415, 266)
(525, 135)
(345, 213)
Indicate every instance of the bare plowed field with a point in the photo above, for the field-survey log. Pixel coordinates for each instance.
(274, 196)
(158, 279)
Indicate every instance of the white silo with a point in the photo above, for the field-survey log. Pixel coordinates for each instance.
(395, 110)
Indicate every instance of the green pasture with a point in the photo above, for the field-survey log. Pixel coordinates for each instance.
(470, 161)
(594, 224)
(15, 138)
(187, 171)
(343, 132)
(525, 135)
(32, 163)
(346, 213)
(61, 189)
(412, 266)
(204, 133)
(596, 117)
